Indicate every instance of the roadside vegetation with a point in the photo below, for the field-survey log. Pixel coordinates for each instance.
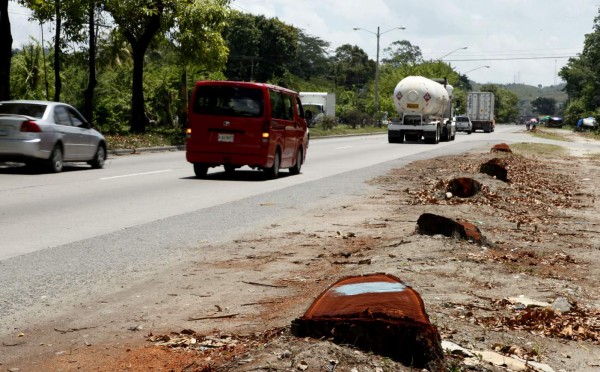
(582, 77)
(538, 150)
(554, 135)
(595, 135)
(161, 138)
(129, 67)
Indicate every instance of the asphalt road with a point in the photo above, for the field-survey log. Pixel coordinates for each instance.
(81, 230)
(43, 211)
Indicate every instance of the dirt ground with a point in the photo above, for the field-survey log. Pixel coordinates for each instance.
(230, 307)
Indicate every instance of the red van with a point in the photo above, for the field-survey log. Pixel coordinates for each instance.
(239, 123)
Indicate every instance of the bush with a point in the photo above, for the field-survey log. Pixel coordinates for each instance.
(357, 118)
(327, 122)
(573, 112)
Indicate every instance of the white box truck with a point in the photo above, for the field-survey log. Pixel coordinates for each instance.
(316, 105)
(480, 109)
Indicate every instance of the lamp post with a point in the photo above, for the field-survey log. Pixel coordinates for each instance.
(476, 68)
(446, 55)
(378, 34)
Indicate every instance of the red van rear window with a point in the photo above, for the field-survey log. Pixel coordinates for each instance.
(229, 101)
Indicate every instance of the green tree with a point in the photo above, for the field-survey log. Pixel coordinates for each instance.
(401, 52)
(69, 21)
(140, 21)
(260, 48)
(352, 66)
(26, 72)
(544, 105)
(197, 41)
(311, 60)
(242, 37)
(582, 77)
(5, 51)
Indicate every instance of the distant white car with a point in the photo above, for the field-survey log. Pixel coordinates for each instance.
(463, 124)
(48, 133)
(590, 122)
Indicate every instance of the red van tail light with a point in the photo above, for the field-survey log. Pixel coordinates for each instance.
(30, 127)
(266, 131)
(188, 132)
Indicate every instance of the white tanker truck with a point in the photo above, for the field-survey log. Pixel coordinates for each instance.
(424, 108)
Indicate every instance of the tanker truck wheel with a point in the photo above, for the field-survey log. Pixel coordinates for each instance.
(435, 139)
(447, 135)
(396, 139)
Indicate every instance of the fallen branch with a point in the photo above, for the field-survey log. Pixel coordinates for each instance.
(361, 262)
(261, 303)
(265, 285)
(590, 231)
(63, 331)
(191, 319)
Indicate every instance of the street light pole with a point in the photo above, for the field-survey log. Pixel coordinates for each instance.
(378, 34)
(446, 55)
(476, 68)
(377, 79)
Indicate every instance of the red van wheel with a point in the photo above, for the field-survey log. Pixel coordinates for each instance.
(273, 172)
(200, 170)
(296, 168)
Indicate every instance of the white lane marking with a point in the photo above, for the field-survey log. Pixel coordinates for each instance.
(136, 174)
(343, 147)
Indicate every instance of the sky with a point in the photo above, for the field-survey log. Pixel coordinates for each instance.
(522, 41)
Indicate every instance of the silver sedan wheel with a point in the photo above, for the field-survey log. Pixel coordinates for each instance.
(99, 159)
(55, 163)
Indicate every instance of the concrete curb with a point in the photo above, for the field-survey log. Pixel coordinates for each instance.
(139, 150)
(132, 151)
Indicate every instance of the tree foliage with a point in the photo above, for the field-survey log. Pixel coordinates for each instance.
(311, 58)
(5, 51)
(260, 48)
(140, 21)
(156, 47)
(582, 75)
(544, 105)
(402, 52)
(352, 67)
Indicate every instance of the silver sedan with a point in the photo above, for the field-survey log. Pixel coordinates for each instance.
(48, 133)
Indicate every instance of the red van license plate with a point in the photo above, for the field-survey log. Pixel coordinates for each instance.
(225, 137)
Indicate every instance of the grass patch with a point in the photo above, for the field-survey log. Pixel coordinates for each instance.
(150, 139)
(533, 150)
(556, 135)
(594, 156)
(591, 135)
(344, 130)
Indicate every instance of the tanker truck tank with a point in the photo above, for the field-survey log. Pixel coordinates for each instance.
(424, 108)
(419, 95)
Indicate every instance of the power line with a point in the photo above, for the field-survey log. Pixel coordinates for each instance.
(241, 8)
(506, 59)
